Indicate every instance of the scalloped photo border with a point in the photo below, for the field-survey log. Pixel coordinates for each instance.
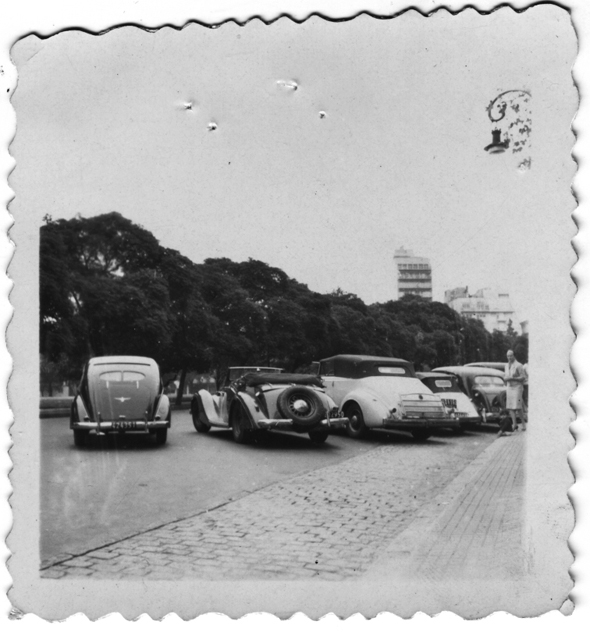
(148, 16)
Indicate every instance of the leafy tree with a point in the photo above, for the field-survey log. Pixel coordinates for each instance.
(108, 287)
(99, 291)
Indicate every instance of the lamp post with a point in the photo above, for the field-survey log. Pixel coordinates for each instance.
(512, 107)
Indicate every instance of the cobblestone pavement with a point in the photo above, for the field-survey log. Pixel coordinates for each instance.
(482, 530)
(478, 533)
(329, 523)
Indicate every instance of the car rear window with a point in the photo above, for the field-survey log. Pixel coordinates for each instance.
(392, 370)
(488, 380)
(443, 383)
(122, 376)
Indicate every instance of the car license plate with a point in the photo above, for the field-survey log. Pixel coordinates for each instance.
(124, 425)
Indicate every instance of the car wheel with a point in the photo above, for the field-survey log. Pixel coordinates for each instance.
(319, 436)
(197, 415)
(80, 438)
(421, 435)
(356, 422)
(198, 423)
(241, 433)
(161, 435)
(302, 405)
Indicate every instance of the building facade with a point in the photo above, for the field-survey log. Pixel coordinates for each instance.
(492, 307)
(414, 274)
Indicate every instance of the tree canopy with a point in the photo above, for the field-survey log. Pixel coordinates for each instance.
(108, 287)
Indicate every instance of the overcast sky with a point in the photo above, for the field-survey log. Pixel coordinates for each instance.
(398, 159)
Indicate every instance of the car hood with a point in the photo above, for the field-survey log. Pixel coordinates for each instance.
(116, 401)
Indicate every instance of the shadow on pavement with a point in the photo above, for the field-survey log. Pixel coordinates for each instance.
(126, 441)
(269, 440)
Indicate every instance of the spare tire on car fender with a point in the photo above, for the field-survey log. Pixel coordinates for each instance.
(302, 405)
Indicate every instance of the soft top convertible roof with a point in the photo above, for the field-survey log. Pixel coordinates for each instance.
(499, 366)
(257, 379)
(350, 357)
(471, 371)
(435, 374)
(359, 366)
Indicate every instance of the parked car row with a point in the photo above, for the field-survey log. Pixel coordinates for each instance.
(356, 392)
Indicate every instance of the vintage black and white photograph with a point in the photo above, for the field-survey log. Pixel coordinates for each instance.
(292, 310)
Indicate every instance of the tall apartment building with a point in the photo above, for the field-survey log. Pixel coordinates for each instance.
(414, 274)
(492, 307)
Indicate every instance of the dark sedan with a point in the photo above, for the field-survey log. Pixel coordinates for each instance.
(485, 387)
(120, 394)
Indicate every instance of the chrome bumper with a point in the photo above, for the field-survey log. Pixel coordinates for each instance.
(288, 424)
(119, 426)
(415, 424)
(491, 416)
(470, 420)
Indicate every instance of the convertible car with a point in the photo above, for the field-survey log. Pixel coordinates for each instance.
(120, 394)
(484, 386)
(455, 400)
(262, 398)
(376, 392)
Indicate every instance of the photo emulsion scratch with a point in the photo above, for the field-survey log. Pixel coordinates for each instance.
(291, 322)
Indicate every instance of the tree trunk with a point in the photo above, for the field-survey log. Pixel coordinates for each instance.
(180, 392)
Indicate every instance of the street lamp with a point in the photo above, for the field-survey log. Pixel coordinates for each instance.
(512, 105)
(497, 146)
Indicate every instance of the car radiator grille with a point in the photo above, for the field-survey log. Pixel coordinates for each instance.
(425, 407)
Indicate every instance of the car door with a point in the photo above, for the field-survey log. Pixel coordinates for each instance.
(336, 387)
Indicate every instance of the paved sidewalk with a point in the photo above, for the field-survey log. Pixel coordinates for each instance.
(430, 506)
(478, 532)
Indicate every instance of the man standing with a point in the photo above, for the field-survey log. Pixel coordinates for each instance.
(515, 377)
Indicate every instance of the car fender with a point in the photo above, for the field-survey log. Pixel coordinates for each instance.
(163, 409)
(253, 410)
(373, 409)
(330, 403)
(464, 403)
(207, 406)
(78, 411)
(483, 395)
